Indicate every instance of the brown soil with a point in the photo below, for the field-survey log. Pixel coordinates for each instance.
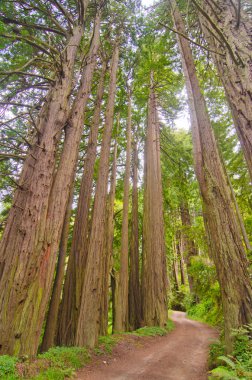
(181, 355)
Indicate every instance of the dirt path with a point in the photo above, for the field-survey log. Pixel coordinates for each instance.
(181, 355)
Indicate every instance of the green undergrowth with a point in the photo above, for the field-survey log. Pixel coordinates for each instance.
(155, 331)
(238, 365)
(60, 363)
(205, 305)
(208, 311)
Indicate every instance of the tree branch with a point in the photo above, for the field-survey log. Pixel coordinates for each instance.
(219, 32)
(63, 11)
(238, 14)
(45, 12)
(189, 39)
(33, 42)
(9, 73)
(15, 131)
(8, 20)
(15, 104)
(6, 156)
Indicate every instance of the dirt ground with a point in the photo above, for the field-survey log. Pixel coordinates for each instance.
(181, 355)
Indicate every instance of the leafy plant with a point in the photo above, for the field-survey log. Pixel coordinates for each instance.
(106, 344)
(207, 291)
(154, 330)
(7, 367)
(239, 364)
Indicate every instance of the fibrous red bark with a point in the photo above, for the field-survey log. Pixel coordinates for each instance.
(88, 323)
(134, 279)
(222, 227)
(69, 314)
(154, 272)
(24, 253)
(121, 306)
(228, 33)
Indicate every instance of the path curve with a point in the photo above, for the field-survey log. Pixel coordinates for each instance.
(181, 355)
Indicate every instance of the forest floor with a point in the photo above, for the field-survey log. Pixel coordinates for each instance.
(180, 355)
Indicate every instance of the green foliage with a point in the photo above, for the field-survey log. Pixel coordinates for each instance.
(217, 349)
(55, 374)
(207, 292)
(65, 357)
(155, 330)
(7, 367)
(239, 364)
(56, 364)
(180, 299)
(106, 343)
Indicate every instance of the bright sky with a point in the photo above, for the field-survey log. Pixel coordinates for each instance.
(147, 2)
(183, 120)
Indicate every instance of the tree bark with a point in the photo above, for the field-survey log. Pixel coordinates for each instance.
(180, 256)
(134, 283)
(77, 259)
(189, 246)
(108, 249)
(23, 253)
(30, 312)
(121, 306)
(239, 217)
(88, 323)
(235, 69)
(221, 223)
(52, 315)
(154, 272)
(175, 265)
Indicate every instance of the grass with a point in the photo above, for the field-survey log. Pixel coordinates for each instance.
(60, 363)
(57, 363)
(155, 331)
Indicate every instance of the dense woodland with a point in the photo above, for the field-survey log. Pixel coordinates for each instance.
(110, 213)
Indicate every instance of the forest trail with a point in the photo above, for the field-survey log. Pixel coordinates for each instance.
(181, 355)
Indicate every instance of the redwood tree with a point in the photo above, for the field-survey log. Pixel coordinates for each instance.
(154, 273)
(88, 323)
(134, 273)
(222, 226)
(227, 28)
(26, 258)
(108, 244)
(121, 301)
(77, 259)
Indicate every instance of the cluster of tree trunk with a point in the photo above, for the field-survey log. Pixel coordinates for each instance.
(219, 212)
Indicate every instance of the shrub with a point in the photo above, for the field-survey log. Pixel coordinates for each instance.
(239, 364)
(207, 292)
(8, 367)
(154, 330)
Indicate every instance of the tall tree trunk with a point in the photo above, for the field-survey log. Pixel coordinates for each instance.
(239, 217)
(134, 283)
(30, 311)
(52, 315)
(222, 227)
(23, 254)
(108, 248)
(154, 276)
(88, 323)
(228, 31)
(175, 265)
(189, 246)
(121, 307)
(77, 259)
(180, 256)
